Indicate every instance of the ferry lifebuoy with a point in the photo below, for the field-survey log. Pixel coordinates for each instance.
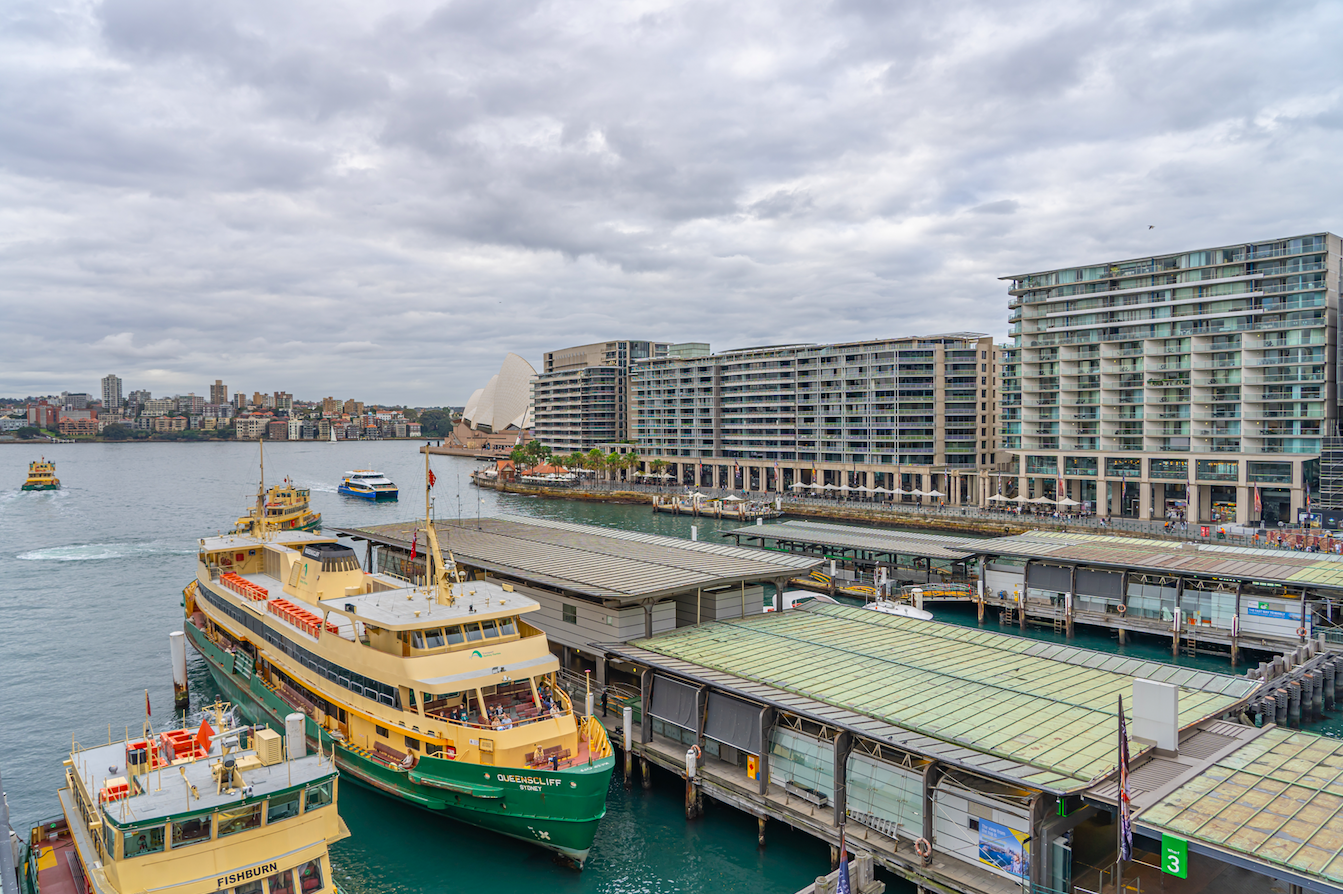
(923, 847)
(1121, 608)
(1300, 631)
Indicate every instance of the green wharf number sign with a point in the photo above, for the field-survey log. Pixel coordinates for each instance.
(1174, 856)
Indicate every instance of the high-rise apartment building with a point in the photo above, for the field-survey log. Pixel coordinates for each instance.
(907, 413)
(111, 392)
(282, 400)
(1194, 384)
(330, 406)
(240, 400)
(563, 384)
(218, 392)
(191, 404)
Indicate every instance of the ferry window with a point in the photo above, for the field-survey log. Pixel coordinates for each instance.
(109, 841)
(570, 614)
(142, 841)
(490, 629)
(454, 636)
(412, 743)
(508, 626)
(248, 888)
(282, 807)
(417, 639)
(431, 748)
(472, 632)
(382, 730)
(310, 876)
(318, 796)
(434, 638)
(190, 831)
(239, 819)
(281, 882)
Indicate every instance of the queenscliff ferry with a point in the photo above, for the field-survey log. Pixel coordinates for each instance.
(285, 507)
(42, 476)
(437, 692)
(215, 809)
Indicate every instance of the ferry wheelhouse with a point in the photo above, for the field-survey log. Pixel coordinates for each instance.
(42, 475)
(436, 692)
(368, 485)
(236, 810)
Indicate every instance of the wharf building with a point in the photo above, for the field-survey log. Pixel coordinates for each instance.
(900, 413)
(1193, 384)
(581, 397)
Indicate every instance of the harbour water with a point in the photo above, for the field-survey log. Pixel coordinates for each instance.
(92, 578)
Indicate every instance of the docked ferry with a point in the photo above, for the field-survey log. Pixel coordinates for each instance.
(42, 475)
(285, 507)
(367, 484)
(438, 693)
(218, 808)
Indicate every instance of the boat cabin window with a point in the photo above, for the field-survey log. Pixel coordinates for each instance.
(281, 882)
(508, 626)
(317, 796)
(239, 819)
(139, 842)
(490, 630)
(472, 632)
(454, 636)
(310, 876)
(248, 888)
(433, 639)
(190, 831)
(282, 807)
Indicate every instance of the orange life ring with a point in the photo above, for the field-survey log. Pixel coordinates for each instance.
(923, 847)
(1121, 608)
(1300, 631)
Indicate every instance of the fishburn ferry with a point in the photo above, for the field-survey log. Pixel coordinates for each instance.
(42, 476)
(225, 810)
(367, 484)
(435, 692)
(284, 507)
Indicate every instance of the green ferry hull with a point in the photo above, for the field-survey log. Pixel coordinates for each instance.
(558, 810)
(41, 487)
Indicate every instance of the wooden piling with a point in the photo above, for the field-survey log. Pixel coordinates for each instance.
(1294, 704)
(1317, 696)
(647, 777)
(628, 719)
(760, 830)
(1330, 675)
(1282, 708)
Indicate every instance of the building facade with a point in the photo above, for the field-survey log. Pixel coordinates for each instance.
(111, 392)
(561, 380)
(907, 413)
(218, 392)
(1191, 385)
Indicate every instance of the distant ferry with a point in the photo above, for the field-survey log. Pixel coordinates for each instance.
(368, 485)
(42, 476)
(282, 508)
(215, 809)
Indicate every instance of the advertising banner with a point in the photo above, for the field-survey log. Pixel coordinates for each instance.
(1003, 848)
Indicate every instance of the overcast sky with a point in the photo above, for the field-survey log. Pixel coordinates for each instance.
(378, 200)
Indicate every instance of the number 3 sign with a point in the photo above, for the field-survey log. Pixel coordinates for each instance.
(1174, 856)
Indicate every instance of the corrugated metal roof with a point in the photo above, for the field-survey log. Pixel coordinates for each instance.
(936, 546)
(594, 561)
(1278, 799)
(1319, 570)
(1048, 707)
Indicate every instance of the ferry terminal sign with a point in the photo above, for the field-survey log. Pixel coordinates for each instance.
(243, 875)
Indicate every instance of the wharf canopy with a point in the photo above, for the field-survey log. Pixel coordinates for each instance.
(596, 584)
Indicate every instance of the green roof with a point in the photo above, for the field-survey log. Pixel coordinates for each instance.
(1278, 799)
(1046, 706)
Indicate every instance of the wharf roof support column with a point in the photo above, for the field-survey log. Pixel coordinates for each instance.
(1123, 603)
(1072, 599)
(843, 746)
(1039, 844)
(368, 555)
(1235, 624)
(931, 774)
(743, 596)
(768, 717)
(648, 620)
(645, 700)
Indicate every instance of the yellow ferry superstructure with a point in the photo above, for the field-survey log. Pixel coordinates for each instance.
(284, 507)
(41, 476)
(409, 682)
(191, 811)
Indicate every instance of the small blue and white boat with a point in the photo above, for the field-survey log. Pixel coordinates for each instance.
(367, 485)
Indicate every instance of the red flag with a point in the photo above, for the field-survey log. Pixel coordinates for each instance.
(432, 478)
(414, 544)
(203, 736)
(148, 713)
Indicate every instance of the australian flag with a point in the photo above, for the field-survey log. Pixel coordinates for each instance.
(1125, 808)
(843, 869)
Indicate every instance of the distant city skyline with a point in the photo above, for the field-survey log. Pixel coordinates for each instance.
(385, 203)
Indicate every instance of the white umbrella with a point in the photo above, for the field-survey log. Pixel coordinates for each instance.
(881, 490)
(733, 498)
(915, 492)
(827, 487)
(843, 487)
(867, 490)
(1042, 500)
(1067, 502)
(1021, 498)
(934, 493)
(997, 497)
(900, 492)
(797, 485)
(697, 495)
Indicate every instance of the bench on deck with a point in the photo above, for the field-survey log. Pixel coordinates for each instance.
(807, 794)
(388, 753)
(555, 751)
